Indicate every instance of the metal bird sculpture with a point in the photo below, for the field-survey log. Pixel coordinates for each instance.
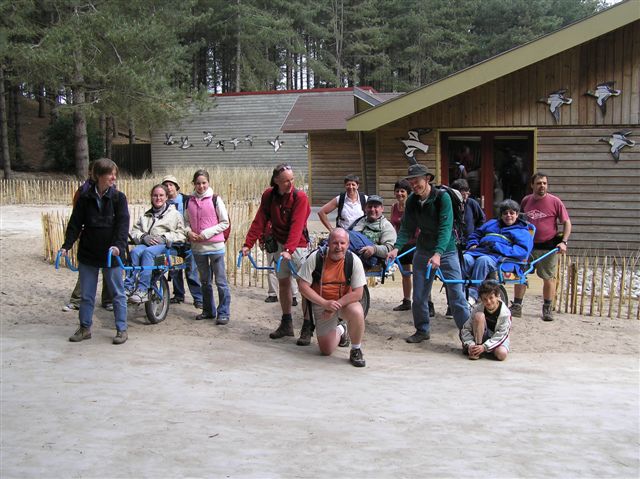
(184, 143)
(602, 93)
(220, 145)
(413, 143)
(208, 137)
(277, 143)
(235, 142)
(249, 139)
(168, 139)
(555, 100)
(618, 140)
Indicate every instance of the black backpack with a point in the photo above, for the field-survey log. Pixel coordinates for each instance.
(457, 204)
(317, 272)
(341, 200)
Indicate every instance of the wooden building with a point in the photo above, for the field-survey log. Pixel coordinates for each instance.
(492, 124)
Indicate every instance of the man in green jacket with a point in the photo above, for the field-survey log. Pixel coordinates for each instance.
(430, 210)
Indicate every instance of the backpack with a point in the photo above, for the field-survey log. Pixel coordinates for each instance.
(317, 272)
(214, 199)
(341, 200)
(457, 204)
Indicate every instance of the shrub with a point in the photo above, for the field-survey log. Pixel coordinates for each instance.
(59, 143)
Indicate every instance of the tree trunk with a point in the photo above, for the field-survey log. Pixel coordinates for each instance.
(102, 126)
(41, 101)
(114, 127)
(4, 131)
(108, 137)
(52, 97)
(132, 132)
(17, 130)
(80, 135)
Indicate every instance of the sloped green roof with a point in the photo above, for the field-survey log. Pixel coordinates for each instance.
(503, 64)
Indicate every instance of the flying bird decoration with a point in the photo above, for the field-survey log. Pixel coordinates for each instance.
(413, 143)
(168, 139)
(306, 142)
(235, 142)
(249, 139)
(220, 145)
(618, 140)
(555, 100)
(184, 143)
(602, 93)
(276, 143)
(208, 137)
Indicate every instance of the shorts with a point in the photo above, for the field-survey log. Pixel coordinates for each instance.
(296, 258)
(407, 259)
(323, 326)
(545, 269)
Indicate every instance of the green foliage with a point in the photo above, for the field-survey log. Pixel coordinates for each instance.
(60, 147)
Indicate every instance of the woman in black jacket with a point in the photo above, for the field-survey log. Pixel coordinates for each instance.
(100, 219)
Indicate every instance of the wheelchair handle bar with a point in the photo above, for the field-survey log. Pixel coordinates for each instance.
(267, 268)
(66, 260)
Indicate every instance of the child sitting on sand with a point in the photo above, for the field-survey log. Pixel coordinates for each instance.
(487, 331)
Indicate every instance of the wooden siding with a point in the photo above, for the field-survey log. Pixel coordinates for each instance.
(333, 154)
(511, 101)
(234, 116)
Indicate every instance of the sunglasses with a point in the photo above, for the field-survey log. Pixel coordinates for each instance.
(283, 168)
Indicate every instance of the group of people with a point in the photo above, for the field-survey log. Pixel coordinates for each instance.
(331, 278)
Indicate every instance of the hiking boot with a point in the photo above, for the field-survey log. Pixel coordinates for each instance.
(198, 305)
(547, 315)
(202, 316)
(285, 329)
(176, 300)
(355, 358)
(271, 299)
(80, 335)
(344, 338)
(222, 320)
(516, 310)
(418, 337)
(120, 337)
(432, 310)
(305, 334)
(294, 301)
(404, 306)
(70, 307)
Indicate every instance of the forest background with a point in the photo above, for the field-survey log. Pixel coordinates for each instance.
(144, 63)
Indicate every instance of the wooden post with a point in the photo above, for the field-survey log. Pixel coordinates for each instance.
(593, 286)
(612, 293)
(601, 299)
(622, 286)
(585, 270)
(574, 286)
(557, 306)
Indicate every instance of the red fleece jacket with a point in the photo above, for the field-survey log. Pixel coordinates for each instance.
(288, 214)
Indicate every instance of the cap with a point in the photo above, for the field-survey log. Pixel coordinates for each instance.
(172, 179)
(419, 170)
(375, 199)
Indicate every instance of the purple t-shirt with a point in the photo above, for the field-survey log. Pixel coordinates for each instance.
(545, 213)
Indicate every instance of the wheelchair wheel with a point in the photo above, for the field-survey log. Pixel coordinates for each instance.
(504, 297)
(158, 305)
(365, 300)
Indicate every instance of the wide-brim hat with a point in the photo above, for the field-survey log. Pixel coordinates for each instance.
(375, 199)
(416, 171)
(172, 179)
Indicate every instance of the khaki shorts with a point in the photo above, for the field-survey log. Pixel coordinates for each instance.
(545, 269)
(296, 258)
(323, 326)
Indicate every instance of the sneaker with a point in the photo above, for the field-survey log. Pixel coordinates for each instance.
(202, 316)
(198, 304)
(176, 300)
(271, 299)
(139, 297)
(418, 337)
(448, 314)
(70, 307)
(80, 335)
(305, 334)
(516, 310)
(547, 315)
(432, 310)
(355, 358)
(108, 306)
(472, 301)
(344, 339)
(285, 329)
(120, 337)
(222, 320)
(404, 306)
(294, 302)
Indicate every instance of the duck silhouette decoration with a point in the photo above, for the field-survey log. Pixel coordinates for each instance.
(168, 139)
(602, 93)
(413, 143)
(618, 140)
(235, 142)
(220, 145)
(184, 143)
(555, 100)
(276, 143)
(208, 137)
(249, 139)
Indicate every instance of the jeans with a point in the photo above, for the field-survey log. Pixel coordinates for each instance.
(450, 268)
(89, 283)
(193, 280)
(105, 297)
(210, 265)
(478, 268)
(143, 255)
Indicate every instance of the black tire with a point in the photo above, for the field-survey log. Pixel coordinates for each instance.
(365, 300)
(158, 305)
(504, 297)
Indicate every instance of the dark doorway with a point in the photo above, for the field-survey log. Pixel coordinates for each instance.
(496, 164)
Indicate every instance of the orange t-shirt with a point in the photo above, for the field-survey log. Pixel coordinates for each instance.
(333, 281)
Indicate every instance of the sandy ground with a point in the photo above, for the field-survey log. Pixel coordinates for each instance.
(190, 399)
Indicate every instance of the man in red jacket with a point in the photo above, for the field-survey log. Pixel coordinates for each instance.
(288, 210)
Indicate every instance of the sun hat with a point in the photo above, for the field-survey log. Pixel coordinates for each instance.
(375, 199)
(419, 170)
(172, 179)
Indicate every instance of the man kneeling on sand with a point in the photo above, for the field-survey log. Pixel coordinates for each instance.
(332, 280)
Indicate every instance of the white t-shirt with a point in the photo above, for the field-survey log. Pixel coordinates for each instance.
(358, 277)
(351, 211)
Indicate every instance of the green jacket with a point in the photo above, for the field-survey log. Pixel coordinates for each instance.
(434, 218)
